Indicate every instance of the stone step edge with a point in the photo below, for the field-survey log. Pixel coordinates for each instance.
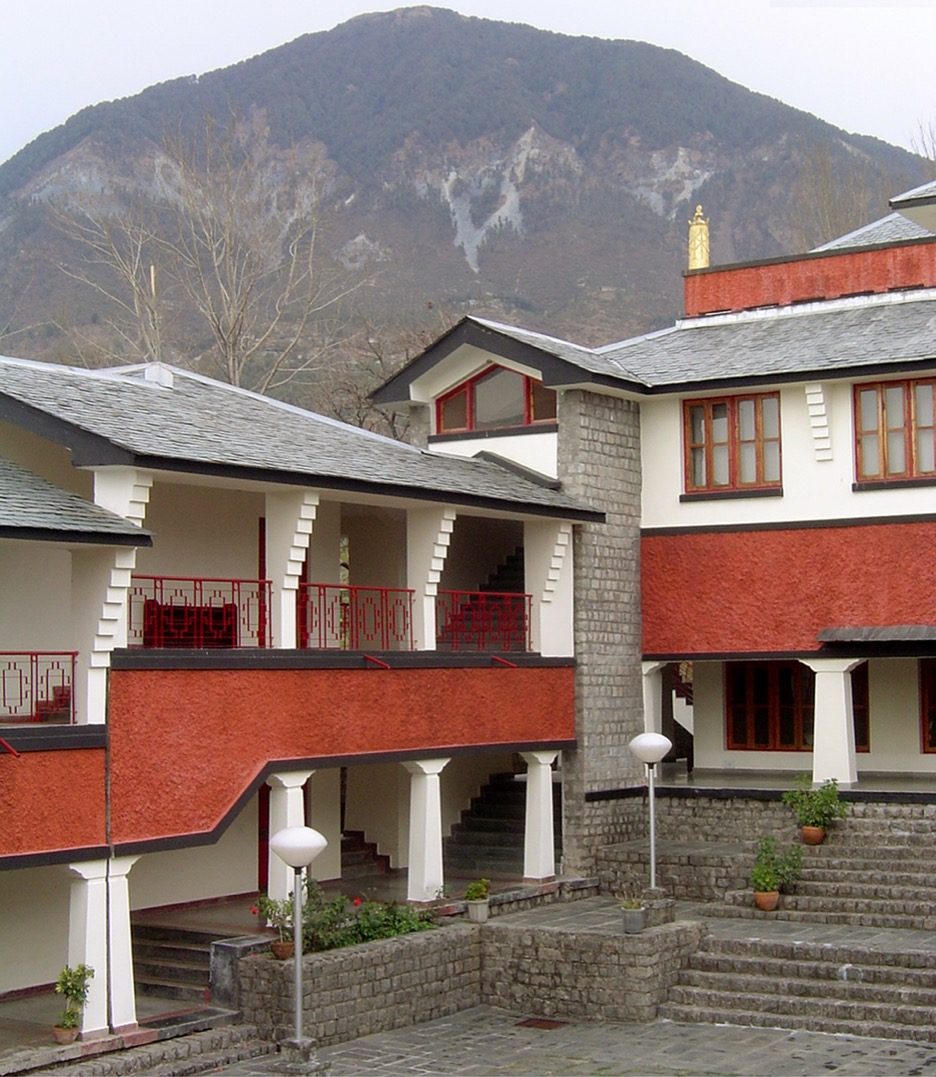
(770, 966)
(807, 1023)
(800, 987)
(199, 1029)
(793, 1007)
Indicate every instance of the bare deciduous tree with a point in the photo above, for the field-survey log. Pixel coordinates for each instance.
(224, 247)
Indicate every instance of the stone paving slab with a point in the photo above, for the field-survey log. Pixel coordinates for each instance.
(487, 1041)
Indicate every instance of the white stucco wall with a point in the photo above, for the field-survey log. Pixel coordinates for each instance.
(813, 488)
(535, 451)
(201, 531)
(45, 458)
(34, 926)
(35, 597)
(229, 866)
(376, 545)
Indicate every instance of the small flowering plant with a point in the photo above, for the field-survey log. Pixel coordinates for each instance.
(278, 914)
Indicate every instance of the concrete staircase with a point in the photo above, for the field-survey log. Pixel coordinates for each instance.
(359, 857)
(172, 962)
(848, 951)
(489, 839)
(817, 986)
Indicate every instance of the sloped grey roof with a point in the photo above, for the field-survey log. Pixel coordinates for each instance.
(797, 340)
(894, 228)
(925, 190)
(30, 504)
(201, 423)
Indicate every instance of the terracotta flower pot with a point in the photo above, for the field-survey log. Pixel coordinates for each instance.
(812, 835)
(766, 900)
(64, 1035)
(282, 950)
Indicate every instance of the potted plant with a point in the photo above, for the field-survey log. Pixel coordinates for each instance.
(476, 898)
(815, 808)
(774, 871)
(633, 914)
(74, 984)
(278, 914)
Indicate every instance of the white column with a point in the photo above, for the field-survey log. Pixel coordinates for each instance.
(539, 842)
(548, 572)
(428, 534)
(87, 940)
(425, 830)
(289, 520)
(287, 808)
(834, 727)
(653, 696)
(123, 1015)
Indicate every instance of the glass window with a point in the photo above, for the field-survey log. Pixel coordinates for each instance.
(732, 444)
(894, 430)
(499, 400)
(493, 400)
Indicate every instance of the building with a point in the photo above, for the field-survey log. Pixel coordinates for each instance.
(223, 615)
(785, 471)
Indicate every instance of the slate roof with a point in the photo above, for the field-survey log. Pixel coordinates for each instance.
(203, 425)
(894, 228)
(796, 341)
(29, 505)
(925, 192)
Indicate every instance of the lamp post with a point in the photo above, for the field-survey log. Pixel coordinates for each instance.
(650, 748)
(298, 846)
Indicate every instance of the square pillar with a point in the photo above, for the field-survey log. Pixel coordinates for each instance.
(87, 941)
(547, 559)
(428, 534)
(287, 808)
(539, 841)
(653, 696)
(834, 725)
(123, 1017)
(425, 877)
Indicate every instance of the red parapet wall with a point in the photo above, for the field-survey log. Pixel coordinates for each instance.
(707, 592)
(186, 744)
(51, 801)
(828, 276)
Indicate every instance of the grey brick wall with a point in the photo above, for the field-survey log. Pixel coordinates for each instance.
(599, 462)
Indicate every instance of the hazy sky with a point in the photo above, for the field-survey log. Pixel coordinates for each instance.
(866, 65)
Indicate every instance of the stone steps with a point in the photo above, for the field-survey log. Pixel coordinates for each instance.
(739, 904)
(173, 963)
(816, 986)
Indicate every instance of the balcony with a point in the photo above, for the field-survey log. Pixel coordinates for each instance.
(345, 618)
(36, 686)
(482, 621)
(177, 611)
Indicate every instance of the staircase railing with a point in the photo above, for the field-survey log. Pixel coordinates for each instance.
(36, 686)
(483, 621)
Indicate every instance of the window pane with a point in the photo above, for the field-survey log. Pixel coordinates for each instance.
(697, 463)
(453, 414)
(697, 425)
(924, 404)
(542, 402)
(748, 462)
(746, 419)
(770, 416)
(720, 422)
(720, 465)
(896, 463)
(894, 405)
(870, 456)
(499, 400)
(772, 461)
(868, 401)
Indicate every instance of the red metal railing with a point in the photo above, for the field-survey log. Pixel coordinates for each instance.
(36, 686)
(341, 617)
(179, 611)
(482, 621)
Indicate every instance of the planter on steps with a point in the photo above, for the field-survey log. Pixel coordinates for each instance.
(812, 835)
(767, 900)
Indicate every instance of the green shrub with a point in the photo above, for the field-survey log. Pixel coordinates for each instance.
(774, 870)
(329, 925)
(815, 807)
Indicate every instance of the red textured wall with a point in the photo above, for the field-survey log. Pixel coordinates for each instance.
(826, 277)
(186, 743)
(749, 591)
(51, 801)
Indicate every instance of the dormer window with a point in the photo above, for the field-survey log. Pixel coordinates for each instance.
(496, 399)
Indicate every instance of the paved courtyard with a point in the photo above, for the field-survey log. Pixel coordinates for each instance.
(490, 1041)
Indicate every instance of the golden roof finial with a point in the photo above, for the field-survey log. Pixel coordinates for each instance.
(698, 241)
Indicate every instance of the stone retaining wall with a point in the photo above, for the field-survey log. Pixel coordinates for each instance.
(399, 982)
(586, 976)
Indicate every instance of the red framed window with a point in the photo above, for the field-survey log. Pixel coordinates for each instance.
(495, 399)
(769, 706)
(928, 704)
(895, 430)
(732, 443)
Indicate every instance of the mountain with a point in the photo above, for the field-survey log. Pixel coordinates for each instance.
(470, 165)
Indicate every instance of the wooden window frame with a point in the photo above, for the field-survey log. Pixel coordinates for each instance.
(468, 387)
(910, 427)
(733, 442)
(804, 707)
